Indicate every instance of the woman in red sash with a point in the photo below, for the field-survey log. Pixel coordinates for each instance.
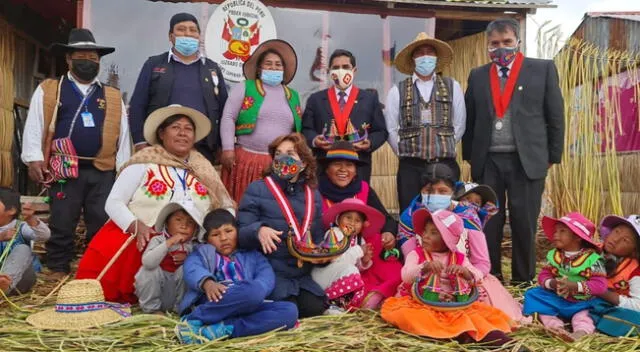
(286, 205)
(169, 170)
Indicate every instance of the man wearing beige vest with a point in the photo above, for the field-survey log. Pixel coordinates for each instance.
(75, 136)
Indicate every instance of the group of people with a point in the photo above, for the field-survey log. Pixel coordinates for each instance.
(292, 228)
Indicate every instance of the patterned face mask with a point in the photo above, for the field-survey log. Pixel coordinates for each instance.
(286, 167)
(503, 56)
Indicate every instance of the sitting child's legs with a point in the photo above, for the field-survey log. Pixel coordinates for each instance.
(373, 301)
(551, 322)
(18, 266)
(179, 288)
(241, 298)
(268, 316)
(581, 321)
(150, 289)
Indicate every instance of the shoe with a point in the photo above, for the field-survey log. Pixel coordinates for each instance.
(216, 331)
(334, 310)
(188, 332)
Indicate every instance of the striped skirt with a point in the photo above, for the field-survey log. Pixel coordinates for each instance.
(248, 168)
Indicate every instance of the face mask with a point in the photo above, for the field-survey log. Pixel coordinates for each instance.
(187, 46)
(425, 64)
(435, 202)
(342, 78)
(85, 69)
(271, 77)
(286, 167)
(503, 56)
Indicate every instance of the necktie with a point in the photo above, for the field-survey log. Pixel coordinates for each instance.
(342, 101)
(503, 76)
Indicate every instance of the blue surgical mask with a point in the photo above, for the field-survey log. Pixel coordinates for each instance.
(425, 64)
(435, 202)
(187, 46)
(272, 77)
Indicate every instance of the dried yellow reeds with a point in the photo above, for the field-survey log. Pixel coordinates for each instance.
(590, 165)
(6, 103)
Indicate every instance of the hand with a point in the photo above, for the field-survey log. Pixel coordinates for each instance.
(445, 297)
(28, 214)
(432, 267)
(367, 249)
(138, 147)
(321, 142)
(458, 270)
(228, 159)
(566, 288)
(268, 238)
(143, 234)
(37, 170)
(388, 241)
(8, 234)
(214, 290)
(363, 145)
(179, 258)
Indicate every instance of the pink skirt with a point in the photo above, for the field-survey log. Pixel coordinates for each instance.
(494, 294)
(249, 167)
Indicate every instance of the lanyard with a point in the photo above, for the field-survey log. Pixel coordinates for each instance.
(183, 179)
(83, 97)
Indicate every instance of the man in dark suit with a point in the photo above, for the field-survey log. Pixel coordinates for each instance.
(515, 132)
(345, 112)
(184, 76)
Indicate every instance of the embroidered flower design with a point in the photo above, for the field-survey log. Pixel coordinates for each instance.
(156, 189)
(586, 273)
(201, 190)
(554, 271)
(247, 103)
(621, 285)
(298, 110)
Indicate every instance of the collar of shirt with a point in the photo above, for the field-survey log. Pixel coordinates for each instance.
(508, 72)
(346, 91)
(176, 58)
(424, 87)
(83, 86)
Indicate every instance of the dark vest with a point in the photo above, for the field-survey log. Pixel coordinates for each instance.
(86, 140)
(435, 140)
(161, 88)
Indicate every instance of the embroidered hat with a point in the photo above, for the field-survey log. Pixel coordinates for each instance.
(81, 39)
(341, 150)
(579, 225)
(287, 53)
(485, 192)
(611, 221)
(374, 218)
(189, 208)
(404, 62)
(151, 124)
(448, 224)
(80, 305)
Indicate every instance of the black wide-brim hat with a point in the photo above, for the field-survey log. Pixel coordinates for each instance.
(80, 39)
(341, 150)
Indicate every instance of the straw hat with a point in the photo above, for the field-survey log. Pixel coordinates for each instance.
(404, 62)
(289, 58)
(189, 208)
(151, 124)
(80, 305)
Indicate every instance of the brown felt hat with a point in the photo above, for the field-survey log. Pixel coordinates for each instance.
(289, 59)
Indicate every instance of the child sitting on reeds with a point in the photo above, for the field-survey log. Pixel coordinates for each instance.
(227, 287)
(18, 265)
(158, 283)
(476, 204)
(573, 275)
(361, 276)
(448, 276)
(617, 313)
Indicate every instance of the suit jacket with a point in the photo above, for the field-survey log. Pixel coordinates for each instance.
(537, 111)
(367, 110)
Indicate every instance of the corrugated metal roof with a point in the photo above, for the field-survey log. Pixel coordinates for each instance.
(630, 16)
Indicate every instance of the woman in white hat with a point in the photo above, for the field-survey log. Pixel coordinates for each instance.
(171, 170)
(258, 110)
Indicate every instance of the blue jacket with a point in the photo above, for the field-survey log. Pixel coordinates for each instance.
(201, 265)
(259, 208)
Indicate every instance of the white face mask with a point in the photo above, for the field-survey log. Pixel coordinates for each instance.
(342, 78)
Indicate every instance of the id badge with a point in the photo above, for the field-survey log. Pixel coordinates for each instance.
(425, 116)
(87, 119)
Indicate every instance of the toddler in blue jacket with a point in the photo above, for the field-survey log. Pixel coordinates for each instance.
(227, 287)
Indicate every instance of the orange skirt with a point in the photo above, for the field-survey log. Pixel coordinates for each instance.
(477, 320)
(249, 167)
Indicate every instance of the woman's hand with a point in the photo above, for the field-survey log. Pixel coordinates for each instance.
(268, 238)
(228, 159)
(388, 241)
(143, 233)
(214, 290)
